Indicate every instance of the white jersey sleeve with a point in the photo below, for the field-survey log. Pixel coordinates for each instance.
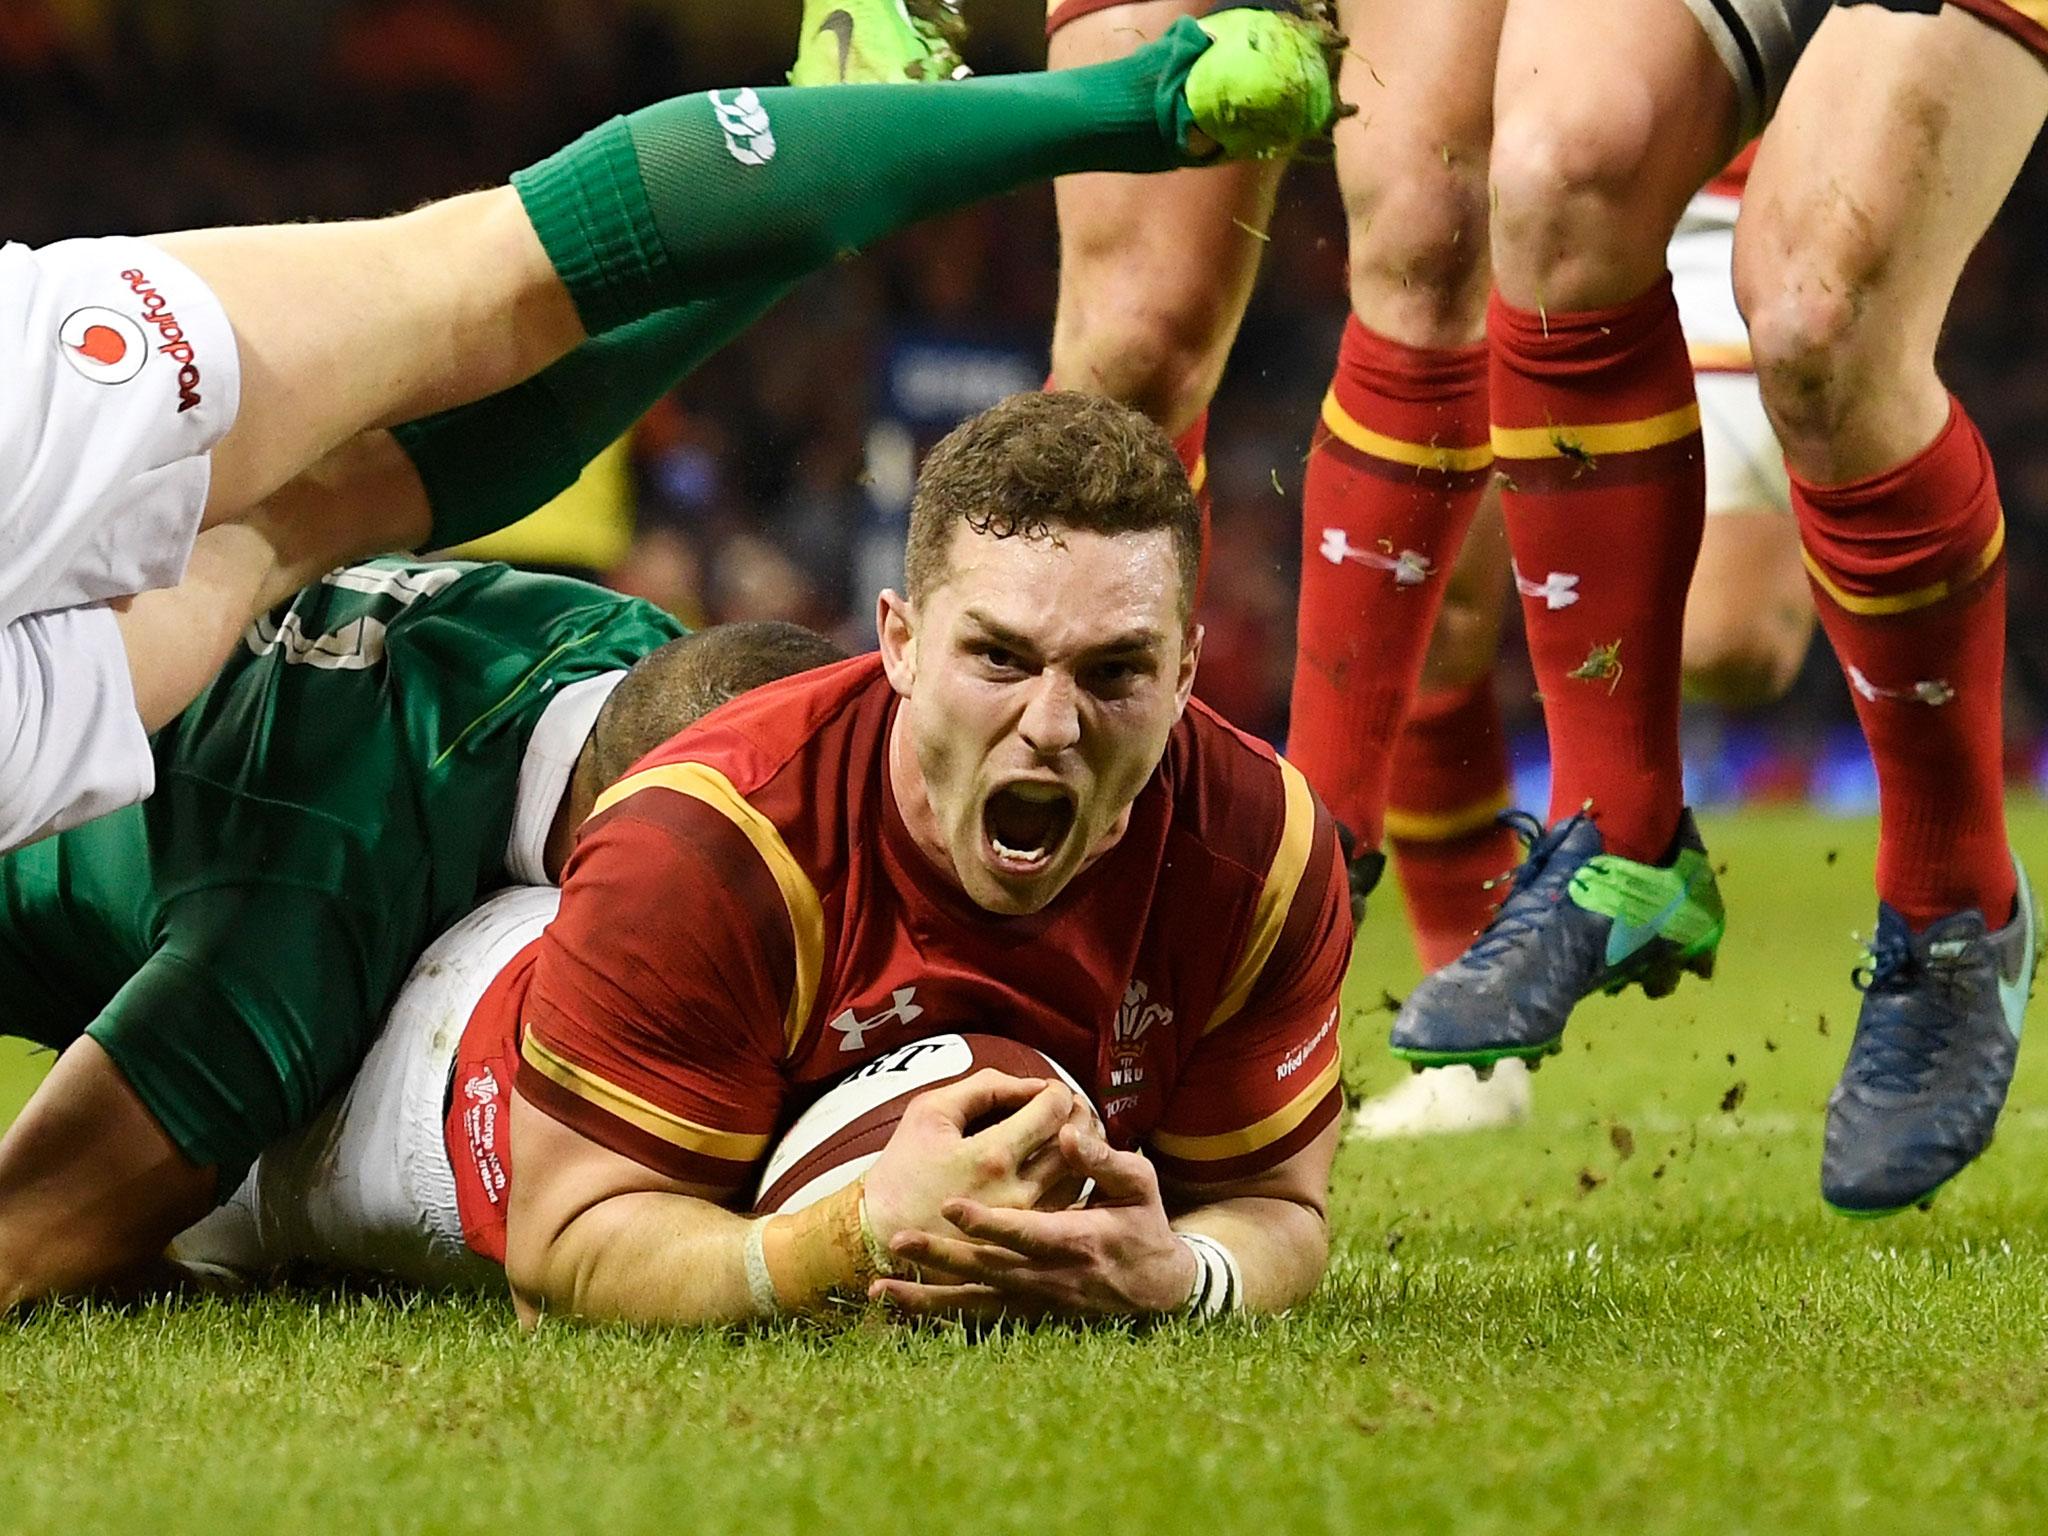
(72, 746)
(120, 375)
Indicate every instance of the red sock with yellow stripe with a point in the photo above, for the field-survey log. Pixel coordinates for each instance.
(1908, 572)
(1450, 780)
(1394, 477)
(1596, 437)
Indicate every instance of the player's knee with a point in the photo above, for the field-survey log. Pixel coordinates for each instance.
(1147, 350)
(1464, 642)
(1738, 665)
(1563, 175)
(1418, 263)
(1821, 328)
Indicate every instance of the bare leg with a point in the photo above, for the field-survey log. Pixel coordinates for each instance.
(347, 326)
(360, 500)
(91, 1188)
(1748, 616)
(1880, 174)
(1155, 272)
(1610, 116)
(1412, 165)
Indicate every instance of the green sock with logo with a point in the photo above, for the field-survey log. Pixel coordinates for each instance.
(488, 464)
(714, 192)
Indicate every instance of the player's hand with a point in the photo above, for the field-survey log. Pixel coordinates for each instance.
(1119, 1256)
(932, 1161)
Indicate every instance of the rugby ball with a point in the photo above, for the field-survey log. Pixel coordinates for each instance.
(839, 1137)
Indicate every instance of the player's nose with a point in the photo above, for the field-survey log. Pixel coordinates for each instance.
(1051, 722)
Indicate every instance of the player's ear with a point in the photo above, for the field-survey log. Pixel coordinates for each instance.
(1190, 658)
(896, 632)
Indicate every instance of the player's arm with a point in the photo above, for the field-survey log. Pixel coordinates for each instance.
(594, 1234)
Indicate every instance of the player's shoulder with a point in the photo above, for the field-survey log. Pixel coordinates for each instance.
(1235, 797)
(788, 765)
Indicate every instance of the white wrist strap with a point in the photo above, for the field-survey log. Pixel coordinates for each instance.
(760, 1285)
(1219, 1283)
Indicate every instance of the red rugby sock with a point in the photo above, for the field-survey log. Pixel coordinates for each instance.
(1597, 440)
(1908, 570)
(1394, 477)
(1450, 779)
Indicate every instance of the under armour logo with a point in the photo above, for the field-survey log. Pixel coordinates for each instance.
(1410, 567)
(1934, 692)
(901, 1010)
(744, 121)
(1560, 589)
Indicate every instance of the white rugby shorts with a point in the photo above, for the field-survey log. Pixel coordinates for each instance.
(1745, 468)
(367, 1187)
(121, 374)
(71, 744)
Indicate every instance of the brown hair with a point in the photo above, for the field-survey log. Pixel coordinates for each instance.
(683, 681)
(1034, 464)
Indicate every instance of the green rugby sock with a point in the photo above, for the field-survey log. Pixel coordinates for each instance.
(488, 464)
(708, 193)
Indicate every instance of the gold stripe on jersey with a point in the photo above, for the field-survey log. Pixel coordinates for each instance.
(1211, 1149)
(1599, 438)
(1283, 877)
(806, 913)
(1355, 434)
(620, 1104)
(1442, 826)
(1919, 597)
(1199, 475)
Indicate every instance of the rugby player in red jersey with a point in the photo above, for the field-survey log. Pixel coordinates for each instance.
(1012, 816)
(1894, 143)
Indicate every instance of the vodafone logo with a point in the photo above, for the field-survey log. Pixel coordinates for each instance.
(103, 345)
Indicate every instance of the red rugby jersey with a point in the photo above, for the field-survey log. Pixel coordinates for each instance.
(745, 919)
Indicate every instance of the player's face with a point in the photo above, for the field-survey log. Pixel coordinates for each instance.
(1040, 682)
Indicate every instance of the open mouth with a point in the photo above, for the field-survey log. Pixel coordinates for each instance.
(1024, 825)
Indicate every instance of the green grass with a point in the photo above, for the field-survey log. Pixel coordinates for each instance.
(1540, 1330)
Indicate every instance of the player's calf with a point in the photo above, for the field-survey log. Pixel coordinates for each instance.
(92, 1188)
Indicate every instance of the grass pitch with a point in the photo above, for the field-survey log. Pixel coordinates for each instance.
(1633, 1314)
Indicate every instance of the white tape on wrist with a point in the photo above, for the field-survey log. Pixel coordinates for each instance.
(1219, 1283)
(760, 1284)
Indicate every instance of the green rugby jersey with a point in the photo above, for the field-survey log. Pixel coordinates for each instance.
(343, 791)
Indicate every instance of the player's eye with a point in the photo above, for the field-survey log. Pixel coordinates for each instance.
(997, 659)
(1114, 679)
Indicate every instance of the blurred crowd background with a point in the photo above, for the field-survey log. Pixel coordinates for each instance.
(773, 483)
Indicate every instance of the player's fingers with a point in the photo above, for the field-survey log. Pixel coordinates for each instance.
(916, 1300)
(987, 1092)
(1031, 1127)
(1041, 1173)
(950, 1259)
(1121, 1178)
(1048, 1237)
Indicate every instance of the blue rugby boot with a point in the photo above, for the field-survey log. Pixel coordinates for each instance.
(1936, 1042)
(1577, 920)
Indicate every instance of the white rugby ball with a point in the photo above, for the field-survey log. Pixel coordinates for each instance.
(839, 1137)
